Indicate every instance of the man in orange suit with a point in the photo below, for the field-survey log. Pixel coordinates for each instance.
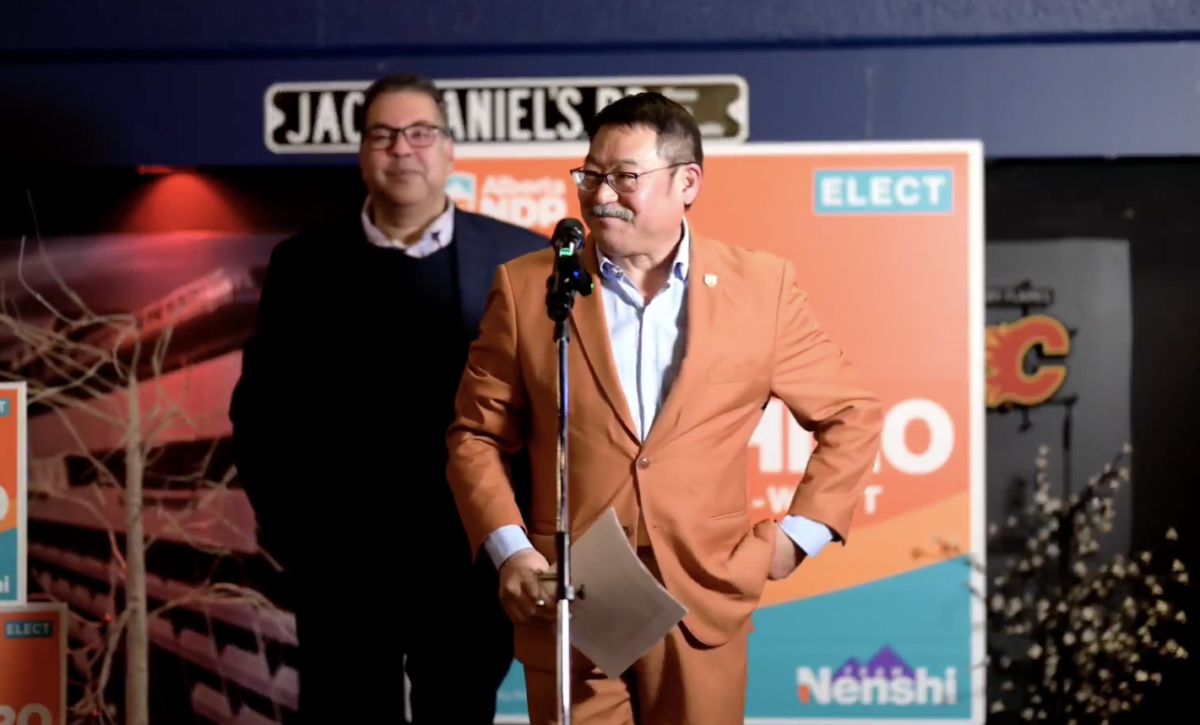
(674, 357)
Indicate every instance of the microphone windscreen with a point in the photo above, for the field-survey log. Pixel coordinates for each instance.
(568, 232)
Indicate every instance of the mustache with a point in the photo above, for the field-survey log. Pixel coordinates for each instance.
(612, 210)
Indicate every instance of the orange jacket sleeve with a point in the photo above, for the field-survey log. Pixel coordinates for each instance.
(489, 409)
(813, 377)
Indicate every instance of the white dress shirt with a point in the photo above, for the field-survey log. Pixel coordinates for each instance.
(435, 238)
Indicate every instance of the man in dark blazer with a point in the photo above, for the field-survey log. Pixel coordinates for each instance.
(339, 424)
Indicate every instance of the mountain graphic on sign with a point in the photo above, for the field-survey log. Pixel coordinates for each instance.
(888, 664)
(850, 668)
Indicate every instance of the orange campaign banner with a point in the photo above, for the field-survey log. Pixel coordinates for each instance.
(887, 239)
(33, 664)
(13, 493)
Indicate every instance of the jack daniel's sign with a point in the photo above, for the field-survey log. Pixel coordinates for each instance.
(326, 117)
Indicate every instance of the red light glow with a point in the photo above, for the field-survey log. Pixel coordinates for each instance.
(183, 201)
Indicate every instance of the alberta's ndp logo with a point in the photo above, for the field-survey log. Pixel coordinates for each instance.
(886, 679)
(530, 202)
(461, 188)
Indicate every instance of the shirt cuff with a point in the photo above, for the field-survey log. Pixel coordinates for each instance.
(809, 535)
(504, 542)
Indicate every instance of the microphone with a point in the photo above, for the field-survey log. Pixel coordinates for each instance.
(567, 238)
(569, 276)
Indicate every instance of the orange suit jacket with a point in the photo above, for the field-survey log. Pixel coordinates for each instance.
(751, 336)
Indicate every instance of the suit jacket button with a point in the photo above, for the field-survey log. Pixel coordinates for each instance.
(643, 463)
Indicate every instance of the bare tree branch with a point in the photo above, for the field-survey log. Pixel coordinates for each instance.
(93, 374)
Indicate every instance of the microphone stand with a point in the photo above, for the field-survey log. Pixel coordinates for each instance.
(568, 279)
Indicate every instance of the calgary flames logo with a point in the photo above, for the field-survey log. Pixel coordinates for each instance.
(1008, 347)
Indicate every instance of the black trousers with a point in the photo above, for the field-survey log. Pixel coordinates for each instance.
(448, 632)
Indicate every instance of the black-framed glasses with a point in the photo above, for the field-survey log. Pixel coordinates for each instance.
(622, 182)
(418, 135)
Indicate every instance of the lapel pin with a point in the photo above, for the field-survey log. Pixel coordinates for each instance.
(710, 280)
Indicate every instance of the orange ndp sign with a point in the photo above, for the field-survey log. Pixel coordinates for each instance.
(887, 239)
(13, 493)
(33, 664)
(1009, 344)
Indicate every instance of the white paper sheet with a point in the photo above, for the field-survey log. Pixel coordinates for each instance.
(624, 610)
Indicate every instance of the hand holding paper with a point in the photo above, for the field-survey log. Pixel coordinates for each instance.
(623, 610)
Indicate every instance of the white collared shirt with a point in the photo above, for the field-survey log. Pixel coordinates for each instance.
(435, 238)
(648, 338)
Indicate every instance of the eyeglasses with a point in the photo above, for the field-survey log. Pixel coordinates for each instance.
(418, 135)
(622, 182)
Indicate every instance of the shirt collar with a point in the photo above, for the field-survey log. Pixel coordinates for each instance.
(438, 235)
(679, 270)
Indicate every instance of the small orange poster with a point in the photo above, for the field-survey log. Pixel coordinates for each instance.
(33, 664)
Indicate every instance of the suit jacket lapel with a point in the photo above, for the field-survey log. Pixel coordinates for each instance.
(702, 308)
(476, 259)
(591, 332)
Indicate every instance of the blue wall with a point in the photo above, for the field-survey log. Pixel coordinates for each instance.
(306, 25)
(156, 82)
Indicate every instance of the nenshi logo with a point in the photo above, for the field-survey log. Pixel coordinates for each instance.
(461, 188)
(885, 680)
